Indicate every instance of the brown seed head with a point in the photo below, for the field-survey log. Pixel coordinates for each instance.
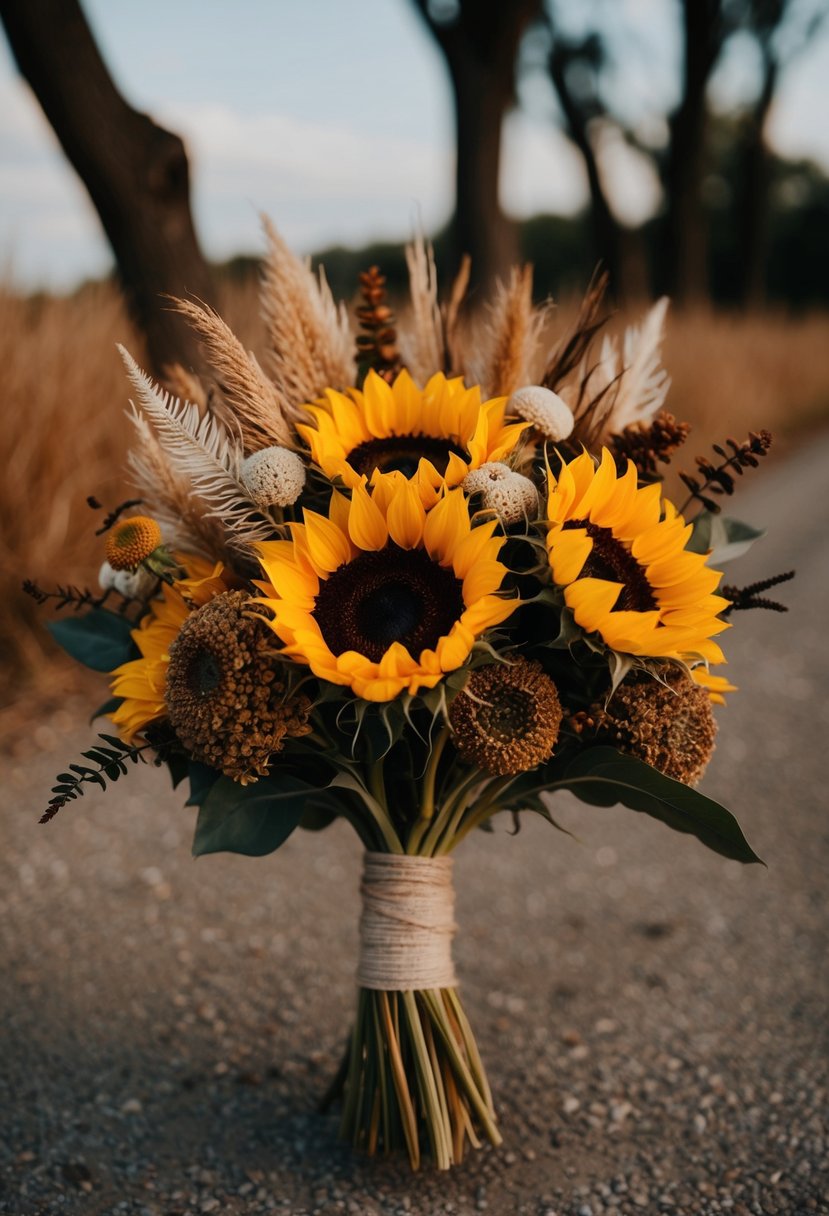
(507, 718)
(668, 725)
(226, 695)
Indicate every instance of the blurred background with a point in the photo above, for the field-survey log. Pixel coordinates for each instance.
(683, 146)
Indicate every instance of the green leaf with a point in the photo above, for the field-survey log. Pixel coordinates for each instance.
(250, 819)
(99, 639)
(178, 767)
(321, 810)
(601, 776)
(202, 779)
(722, 538)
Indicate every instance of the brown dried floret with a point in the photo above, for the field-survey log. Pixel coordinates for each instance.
(226, 693)
(507, 718)
(667, 722)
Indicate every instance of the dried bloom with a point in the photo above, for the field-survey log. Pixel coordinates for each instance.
(507, 718)
(551, 417)
(226, 695)
(132, 541)
(666, 722)
(273, 477)
(137, 584)
(106, 577)
(510, 495)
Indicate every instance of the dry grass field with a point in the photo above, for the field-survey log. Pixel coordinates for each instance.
(63, 395)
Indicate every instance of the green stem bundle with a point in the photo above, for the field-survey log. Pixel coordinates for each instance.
(415, 1078)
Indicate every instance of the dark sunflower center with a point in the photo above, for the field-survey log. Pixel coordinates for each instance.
(204, 673)
(610, 560)
(394, 595)
(402, 454)
(510, 716)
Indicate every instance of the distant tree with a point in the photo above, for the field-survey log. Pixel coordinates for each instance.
(479, 40)
(781, 30)
(136, 173)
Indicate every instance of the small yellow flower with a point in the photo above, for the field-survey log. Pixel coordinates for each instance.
(142, 682)
(131, 542)
(717, 685)
(383, 595)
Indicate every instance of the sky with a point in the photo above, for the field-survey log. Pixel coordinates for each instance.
(335, 118)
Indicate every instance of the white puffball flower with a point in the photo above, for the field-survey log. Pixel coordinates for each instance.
(106, 577)
(544, 409)
(138, 584)
(511, 495)
(273, 477)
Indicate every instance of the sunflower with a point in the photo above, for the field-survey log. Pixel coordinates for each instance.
(618, 551)
(141, 682)
(432, 435)
(382, 594)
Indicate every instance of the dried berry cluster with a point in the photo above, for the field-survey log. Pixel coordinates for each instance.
(648, 445)
(721, 478)
(377, 343)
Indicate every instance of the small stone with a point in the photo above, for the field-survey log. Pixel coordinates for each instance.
(132, 1106)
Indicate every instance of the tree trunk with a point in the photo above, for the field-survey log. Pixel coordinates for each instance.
(753, 197)
(136, 173)
(479, 226)
(685, 255)
(480, 45)
(607, 236)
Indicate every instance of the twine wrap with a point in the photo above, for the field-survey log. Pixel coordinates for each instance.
(407, 923)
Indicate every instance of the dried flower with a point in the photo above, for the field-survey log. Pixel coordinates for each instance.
(551, 417)
(273, 477)
(507, 718)
(510, 495)
(226, 695)
(132, 541)
(648, 445)
(377, 343)
(667, 722)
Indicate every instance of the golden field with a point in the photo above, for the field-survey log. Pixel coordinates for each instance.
(65, 434)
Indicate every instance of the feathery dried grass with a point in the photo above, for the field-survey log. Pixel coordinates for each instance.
(421, 331)
(251, 402)
(508, 353)
(311, 344)
(200, 451)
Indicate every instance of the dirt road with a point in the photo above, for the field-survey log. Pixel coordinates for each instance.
(653, 1017)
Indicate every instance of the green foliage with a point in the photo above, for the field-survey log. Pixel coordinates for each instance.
(100, 639)
(252, 819)
(108, 763)
(724, 538)
(603, 776)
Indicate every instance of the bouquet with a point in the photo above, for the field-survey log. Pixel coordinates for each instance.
(413, 578)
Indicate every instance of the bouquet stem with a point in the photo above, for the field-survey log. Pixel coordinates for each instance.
(415, 1079)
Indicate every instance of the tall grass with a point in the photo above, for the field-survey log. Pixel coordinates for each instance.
(63, 395)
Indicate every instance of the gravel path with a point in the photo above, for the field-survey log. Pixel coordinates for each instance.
(653, 1016)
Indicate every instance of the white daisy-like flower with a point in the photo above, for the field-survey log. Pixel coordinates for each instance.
(137, 584)
(547, 412)
(273, 477)
(510, 495)
(106, 577)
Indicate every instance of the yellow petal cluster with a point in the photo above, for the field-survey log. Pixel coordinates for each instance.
(445, 409)
(651, 537)
(390, 518)
(141, 682)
